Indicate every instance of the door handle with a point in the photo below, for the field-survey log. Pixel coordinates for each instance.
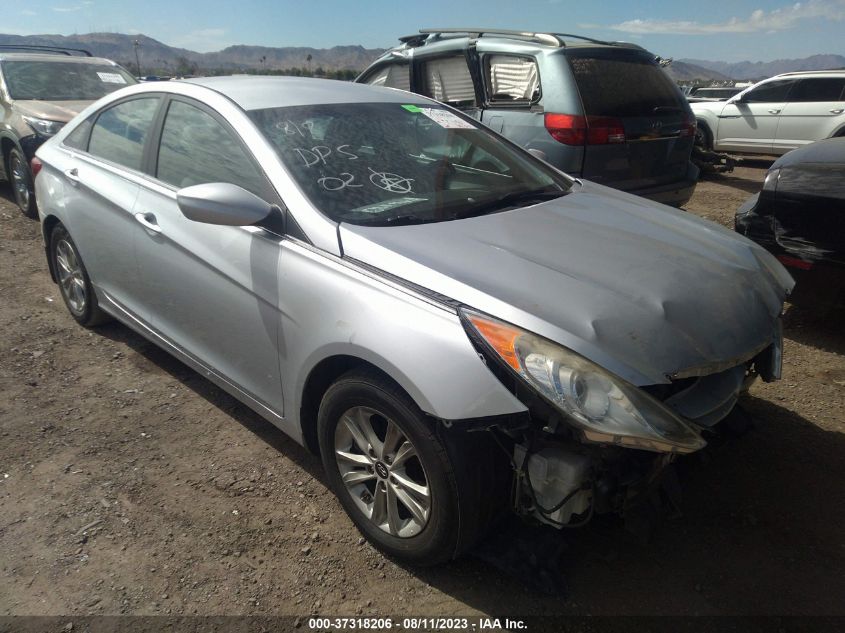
(837, 111)
(148, 221)
(72, 175)
(774, 111)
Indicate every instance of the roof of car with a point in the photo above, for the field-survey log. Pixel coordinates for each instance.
(53, 57)
(253, 92)
(834, 72)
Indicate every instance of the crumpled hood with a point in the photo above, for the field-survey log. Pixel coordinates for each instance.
(643, 290)
(51, 110)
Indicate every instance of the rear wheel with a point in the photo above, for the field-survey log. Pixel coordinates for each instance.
(396, 478)
(21, 179)
(74, 283)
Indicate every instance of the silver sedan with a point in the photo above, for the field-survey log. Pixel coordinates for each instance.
(458, 329)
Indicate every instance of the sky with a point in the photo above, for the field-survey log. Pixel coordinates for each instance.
(754, 30)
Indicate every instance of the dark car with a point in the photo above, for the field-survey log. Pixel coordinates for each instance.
(604, 111)
(713, 93)
(799, 216)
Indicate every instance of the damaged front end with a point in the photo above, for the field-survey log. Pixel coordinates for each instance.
(594, 443)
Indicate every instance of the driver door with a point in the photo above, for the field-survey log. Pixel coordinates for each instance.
(213, 291)
(749, 122)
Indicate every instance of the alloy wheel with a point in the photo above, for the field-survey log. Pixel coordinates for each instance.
(71, 277)
(382, 472)
(20, 182)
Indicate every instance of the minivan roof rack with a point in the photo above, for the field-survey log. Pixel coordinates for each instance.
(552, 39)
(58, 50)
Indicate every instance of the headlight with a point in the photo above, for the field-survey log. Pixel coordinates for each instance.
(605, 407)
(44, 127)
(771, 181)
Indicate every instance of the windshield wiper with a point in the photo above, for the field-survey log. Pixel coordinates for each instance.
(393, 220)
(511, 200)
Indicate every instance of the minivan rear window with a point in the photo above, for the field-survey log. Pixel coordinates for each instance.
(623, 83)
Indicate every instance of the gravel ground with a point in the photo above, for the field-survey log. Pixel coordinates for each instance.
(131, 485)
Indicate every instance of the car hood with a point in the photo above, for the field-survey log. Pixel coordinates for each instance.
(646, 291)
(52, 110)
(708, 106)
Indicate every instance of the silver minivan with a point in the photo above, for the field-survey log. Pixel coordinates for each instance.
(457, 328)
(601, 110)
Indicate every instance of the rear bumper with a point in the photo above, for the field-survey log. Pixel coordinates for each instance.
(675, 193)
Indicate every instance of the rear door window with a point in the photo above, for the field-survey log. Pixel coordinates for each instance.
(819, 89)
(511, 78)
(120, 132)
(196, 149)
(448, 80)
(623, 83)
(391, 76)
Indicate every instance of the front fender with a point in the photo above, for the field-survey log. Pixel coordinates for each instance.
(337, 309)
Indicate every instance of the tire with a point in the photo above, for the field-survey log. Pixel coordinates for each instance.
(703, 137)
(74, 283)
(356, 414)
(20, 178)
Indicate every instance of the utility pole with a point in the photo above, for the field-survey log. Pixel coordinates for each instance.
(136, 44)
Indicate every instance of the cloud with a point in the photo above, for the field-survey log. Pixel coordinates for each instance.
(29, 12)
(67, 9)
(758, 22)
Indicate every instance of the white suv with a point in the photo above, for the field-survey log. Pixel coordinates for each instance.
(775, 115)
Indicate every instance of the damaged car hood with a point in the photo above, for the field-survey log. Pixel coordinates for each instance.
(644, 290)
(54, 111)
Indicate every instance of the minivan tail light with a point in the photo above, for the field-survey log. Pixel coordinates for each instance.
(571, 129)
(567, 128)
(35, 166)
(688, 125)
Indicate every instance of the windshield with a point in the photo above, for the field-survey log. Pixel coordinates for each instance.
(63, 81)
(386, 163)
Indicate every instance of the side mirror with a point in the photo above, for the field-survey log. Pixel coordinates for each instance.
(222, 203)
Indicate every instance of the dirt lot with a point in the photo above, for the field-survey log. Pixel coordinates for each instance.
(195, 505)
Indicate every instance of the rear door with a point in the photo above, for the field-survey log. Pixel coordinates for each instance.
(639, 126)
(749, 123)
(101, 186)
(815, 106)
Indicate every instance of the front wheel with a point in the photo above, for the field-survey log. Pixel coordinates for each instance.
(703, 138)
(21, 179)
(398, 481)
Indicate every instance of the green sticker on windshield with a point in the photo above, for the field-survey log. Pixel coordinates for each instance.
(412, 108)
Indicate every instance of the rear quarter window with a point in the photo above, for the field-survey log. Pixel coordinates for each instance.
(512, 78)
(623, 83)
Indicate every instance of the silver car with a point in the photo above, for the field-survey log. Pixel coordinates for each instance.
(458, 329)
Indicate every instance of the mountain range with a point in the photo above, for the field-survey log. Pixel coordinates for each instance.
(761, 70)
(155, 56)
(159, 57)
